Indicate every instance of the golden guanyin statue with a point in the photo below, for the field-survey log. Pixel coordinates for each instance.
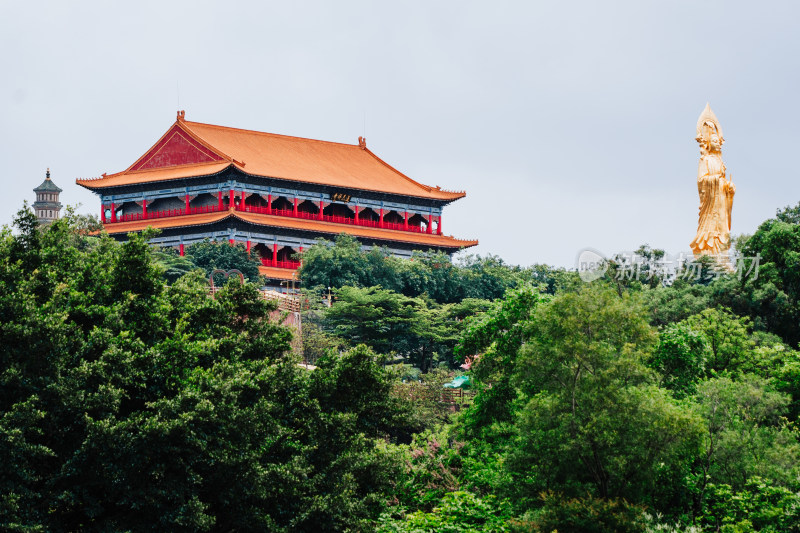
(716, 190)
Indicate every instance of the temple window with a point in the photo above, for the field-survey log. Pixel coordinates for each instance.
(307, 206)
(368, 214)
(393, 217)
(338, 210)
(205, 199)
(281, 202)
(418, 221)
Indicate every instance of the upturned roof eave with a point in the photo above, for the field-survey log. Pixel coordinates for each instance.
(97, 183)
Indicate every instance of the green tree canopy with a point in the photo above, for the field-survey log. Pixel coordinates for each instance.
(417, 329)
(128, 405)
(209, 256)
(595, 419)
(343, 263)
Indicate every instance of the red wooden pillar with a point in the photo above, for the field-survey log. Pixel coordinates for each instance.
(275, 252)
(380, 222)
(231, 201)
(219, 197)
(321, 207)
(103, 213)
(439, 226)
(144, 208)
(180, 249)
(357, 210)
(113, 212)
(187, 204)
(430, 224)
(405, 221)
(269, 204)
(294, 209)
(248, 246)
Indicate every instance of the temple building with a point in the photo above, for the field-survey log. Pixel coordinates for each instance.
(47, 205)
(273, 193)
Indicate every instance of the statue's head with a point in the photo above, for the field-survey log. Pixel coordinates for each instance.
(714, 143)
(709, 132)
(709, 138)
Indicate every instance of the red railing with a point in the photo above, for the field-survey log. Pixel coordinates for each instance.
(293, 265)
(267, 211)
(330, 218)
(170, 213)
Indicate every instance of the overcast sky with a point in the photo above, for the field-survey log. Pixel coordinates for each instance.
(569, 124)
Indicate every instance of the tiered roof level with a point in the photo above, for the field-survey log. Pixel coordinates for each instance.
(276, 194)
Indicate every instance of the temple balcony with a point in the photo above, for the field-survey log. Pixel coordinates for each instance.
(415, 224)
(291, 265)
(166, 213)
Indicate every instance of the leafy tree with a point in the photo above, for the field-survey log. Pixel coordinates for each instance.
(126, 404)
(173, 264)
(746, 434)
(786, 376)
(458, 512)
(680, 358)
(554, 280)
(318, 343)
(381, 319)
(355, 383)
(338, 265)
(595, 420)
(344, 263)
(766, 286)
(437, 333)
(759, 506)
(423, 392)
(130, 398)
(583, 515)
(789, 214)
(490, 277)
(430, 470)
(586, 410)
(730, 346)
(494, 339)
(209, 256)
(676, 302)
(389, 322)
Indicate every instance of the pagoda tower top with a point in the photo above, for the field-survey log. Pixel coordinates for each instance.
(47, 205)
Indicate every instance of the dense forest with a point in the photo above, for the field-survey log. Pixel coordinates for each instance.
(133, 399)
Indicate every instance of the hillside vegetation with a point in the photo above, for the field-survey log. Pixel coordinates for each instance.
(132, 399)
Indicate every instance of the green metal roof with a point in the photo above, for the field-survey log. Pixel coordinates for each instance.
(460, 382)
(47, 185)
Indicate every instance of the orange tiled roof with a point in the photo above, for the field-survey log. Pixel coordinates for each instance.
(278, 156)
(331, 228)
(276, 273)
(157, 174)
(167, 222)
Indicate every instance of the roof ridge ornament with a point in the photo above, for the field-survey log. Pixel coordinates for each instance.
(181, 116)
(47, 174)
(362, 143)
